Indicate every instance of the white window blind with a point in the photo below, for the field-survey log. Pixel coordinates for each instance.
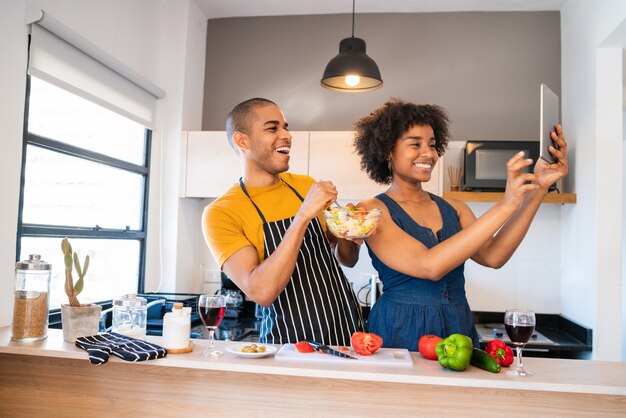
(62, 57)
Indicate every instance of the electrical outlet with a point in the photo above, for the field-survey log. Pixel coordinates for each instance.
(212, 276)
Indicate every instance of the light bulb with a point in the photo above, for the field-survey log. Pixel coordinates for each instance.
(353, 80)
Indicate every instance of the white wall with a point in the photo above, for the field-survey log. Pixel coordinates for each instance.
(591, 248)
(624, 216)
(12, 84)
(164, 42)
(181, 49)
(531, 278)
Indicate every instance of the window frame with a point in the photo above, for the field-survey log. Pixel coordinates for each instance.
(96, 232)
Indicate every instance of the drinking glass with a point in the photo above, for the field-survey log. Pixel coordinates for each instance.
(211, 310)
(519, 325)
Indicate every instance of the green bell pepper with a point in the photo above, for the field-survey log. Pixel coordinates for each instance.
(455, 352)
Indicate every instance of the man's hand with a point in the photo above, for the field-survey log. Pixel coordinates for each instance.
(321, 195)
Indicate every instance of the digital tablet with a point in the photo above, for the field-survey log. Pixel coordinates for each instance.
(549, 120)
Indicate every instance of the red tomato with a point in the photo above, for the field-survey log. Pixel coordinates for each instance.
(366, 343)
(304, 347)
(426, 346)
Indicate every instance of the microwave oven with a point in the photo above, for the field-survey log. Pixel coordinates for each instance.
(485, 163)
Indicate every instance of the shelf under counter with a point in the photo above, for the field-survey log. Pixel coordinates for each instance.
(562, 198)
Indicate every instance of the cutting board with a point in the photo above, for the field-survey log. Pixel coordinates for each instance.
(383, 357)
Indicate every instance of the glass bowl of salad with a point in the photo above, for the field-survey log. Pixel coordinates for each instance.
(352, 221)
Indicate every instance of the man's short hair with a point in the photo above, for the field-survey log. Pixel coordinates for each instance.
(239, 118)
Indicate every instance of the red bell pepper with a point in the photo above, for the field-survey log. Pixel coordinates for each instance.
(500, 351)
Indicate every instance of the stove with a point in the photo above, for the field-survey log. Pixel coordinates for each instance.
(488, 332)
(555, 336)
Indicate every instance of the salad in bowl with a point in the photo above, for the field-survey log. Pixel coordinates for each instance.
(352, 221)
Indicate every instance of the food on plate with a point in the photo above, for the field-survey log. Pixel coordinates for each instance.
(483, 360)
(366, 343)
(352, 221)
(253, 348)
(500, 351)
(455, 352)
(427, 344)
(304, 347)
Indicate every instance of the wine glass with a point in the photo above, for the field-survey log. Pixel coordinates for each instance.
(211, 310)
(519, 325)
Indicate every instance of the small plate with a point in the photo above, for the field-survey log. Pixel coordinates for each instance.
(236, 350)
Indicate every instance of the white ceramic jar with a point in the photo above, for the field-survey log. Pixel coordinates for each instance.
(177, 327)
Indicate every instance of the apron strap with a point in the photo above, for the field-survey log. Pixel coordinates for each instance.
(254, 204)
(243, 187)
(294, 190)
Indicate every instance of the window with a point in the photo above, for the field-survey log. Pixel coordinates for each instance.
(86, 161)
(85, 176)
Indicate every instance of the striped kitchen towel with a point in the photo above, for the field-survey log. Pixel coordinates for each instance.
(101, 346)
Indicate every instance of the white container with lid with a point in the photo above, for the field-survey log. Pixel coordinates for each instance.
(177, 327)
(130, 314)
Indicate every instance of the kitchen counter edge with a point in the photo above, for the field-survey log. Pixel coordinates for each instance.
(551, 375)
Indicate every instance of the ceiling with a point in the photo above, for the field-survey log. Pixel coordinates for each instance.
(238, 8)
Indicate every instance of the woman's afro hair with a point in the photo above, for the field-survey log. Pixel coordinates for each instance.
(377, 133)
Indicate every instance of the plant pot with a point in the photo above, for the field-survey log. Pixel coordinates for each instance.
(80, 321)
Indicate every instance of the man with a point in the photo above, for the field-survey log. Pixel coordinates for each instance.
(272, 242)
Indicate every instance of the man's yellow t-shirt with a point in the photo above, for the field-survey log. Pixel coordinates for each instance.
(231, 222)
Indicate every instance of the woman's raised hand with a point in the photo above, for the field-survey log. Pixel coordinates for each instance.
(547, 174)
(518, 182)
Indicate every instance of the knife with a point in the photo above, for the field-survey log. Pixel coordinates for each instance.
(326, 349)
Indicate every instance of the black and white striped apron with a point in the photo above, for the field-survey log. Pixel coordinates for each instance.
(318, 302)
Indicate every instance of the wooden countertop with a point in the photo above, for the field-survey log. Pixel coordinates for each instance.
(55, 378)
(551, 375)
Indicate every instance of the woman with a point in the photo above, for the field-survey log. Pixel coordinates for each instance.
(422, 242)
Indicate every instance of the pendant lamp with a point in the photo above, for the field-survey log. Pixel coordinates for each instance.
(352, 71)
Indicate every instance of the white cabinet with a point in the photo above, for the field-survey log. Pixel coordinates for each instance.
(210, 166)
(332, 157)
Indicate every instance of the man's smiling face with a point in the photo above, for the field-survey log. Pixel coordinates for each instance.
(270, 140)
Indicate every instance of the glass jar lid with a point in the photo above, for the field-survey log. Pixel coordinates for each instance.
(130, 300)
(34, 262)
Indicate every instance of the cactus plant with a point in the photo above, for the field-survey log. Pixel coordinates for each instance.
(71, 261)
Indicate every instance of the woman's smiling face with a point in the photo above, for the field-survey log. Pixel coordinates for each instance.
(414, 154)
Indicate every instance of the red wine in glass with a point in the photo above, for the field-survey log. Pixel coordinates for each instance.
(212, 316)
(211, 309)
(519, 325)
(519, 334)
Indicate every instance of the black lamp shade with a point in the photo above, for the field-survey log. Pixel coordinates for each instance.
(352, 60)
